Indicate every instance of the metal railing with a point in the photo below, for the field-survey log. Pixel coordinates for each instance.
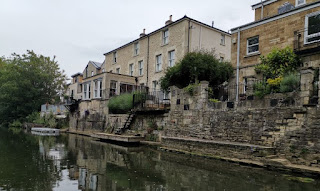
(151, 100)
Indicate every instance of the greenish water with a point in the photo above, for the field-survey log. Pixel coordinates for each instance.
(71, 162)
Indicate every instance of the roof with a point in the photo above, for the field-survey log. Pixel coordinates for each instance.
(96, 64)
(278, 16)
(266, 2)
(171, 24)
(77, 74)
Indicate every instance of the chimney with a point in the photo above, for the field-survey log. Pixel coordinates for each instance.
(212, 23)
(143, 33)
(169, 21)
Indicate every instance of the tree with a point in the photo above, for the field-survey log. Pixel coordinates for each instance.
(278, 63)
(195, 67)
(26, 82)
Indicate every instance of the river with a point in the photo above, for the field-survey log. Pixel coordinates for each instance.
(71, 162)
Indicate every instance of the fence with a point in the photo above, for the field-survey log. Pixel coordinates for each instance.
(151, 100)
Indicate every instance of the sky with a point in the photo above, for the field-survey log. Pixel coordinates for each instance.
(76, 31)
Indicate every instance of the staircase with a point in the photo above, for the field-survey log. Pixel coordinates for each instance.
(127, 124)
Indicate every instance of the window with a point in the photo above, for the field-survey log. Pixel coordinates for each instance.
(91, 73)
(103, 70)
(113, 88)
(86, 91)
(158, 63)
(171, 58)
(131, 69)
(96, 86)
(312, 25)
(97, 89)
(89, 91)
(115, 57)
(136, 48)
(140, 64)
(300, 2)
(75, 79)
(165, 36)
(223, 39)
(154, 85)
(253, 45)
(221, 59)
(118, 70)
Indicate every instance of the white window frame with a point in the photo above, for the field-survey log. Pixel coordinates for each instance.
(115, 56)
(165, 37)
(221, 59)
(159, 63)
(249, 53)
(131, 69)
(136, 48)
(140, 65)
(223, 39)
(118, 70)
(306, 36)
(297, 3)
(171, 62)
(92, 73)
(87, 91)
(97, 88)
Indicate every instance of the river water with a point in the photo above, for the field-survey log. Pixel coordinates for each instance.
(71, 162)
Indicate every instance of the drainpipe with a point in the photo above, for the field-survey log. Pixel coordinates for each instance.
(238, 65)
(200, 37)
(147, 85)
(188, 36)
(262, 9)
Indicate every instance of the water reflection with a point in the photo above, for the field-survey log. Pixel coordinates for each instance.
(71, 162)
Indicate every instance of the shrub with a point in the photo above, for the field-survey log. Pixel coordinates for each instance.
(190, 88)
(289, 83)
(121, 104)
(261, 89)
(15, 124)
(274, 84)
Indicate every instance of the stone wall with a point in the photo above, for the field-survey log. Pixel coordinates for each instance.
(292, 129)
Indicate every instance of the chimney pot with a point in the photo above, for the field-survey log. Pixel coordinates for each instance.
(143, 33)
(169, 21)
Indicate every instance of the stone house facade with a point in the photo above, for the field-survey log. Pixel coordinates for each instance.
(148, 57)
(75, 87)
(278, 24)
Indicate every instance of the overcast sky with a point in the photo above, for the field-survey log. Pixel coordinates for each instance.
(76, 31)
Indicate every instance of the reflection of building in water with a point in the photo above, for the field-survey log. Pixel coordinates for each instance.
(82, 178)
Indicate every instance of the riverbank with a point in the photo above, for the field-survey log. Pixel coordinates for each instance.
(270, 162)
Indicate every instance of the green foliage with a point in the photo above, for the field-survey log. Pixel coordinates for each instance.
(195, 67)
(261, 89)
(15, 124)
(26, 82)
(278, 63)
(121, 104)
(289, 83)
(191, 88)
(35, 117)
(214, 100)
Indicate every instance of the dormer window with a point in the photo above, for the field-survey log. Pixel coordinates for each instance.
(300, 2)
(92, 73)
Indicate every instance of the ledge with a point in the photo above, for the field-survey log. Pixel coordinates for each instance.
(252, 55)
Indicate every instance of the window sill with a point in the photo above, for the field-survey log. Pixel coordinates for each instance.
(164, 44)
(158, 71)
(135, 55)
(253, 54)
(222, 44)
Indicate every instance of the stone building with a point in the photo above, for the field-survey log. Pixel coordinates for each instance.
(148, 57)
(142, 62)
(75, 87)
(278, 23)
